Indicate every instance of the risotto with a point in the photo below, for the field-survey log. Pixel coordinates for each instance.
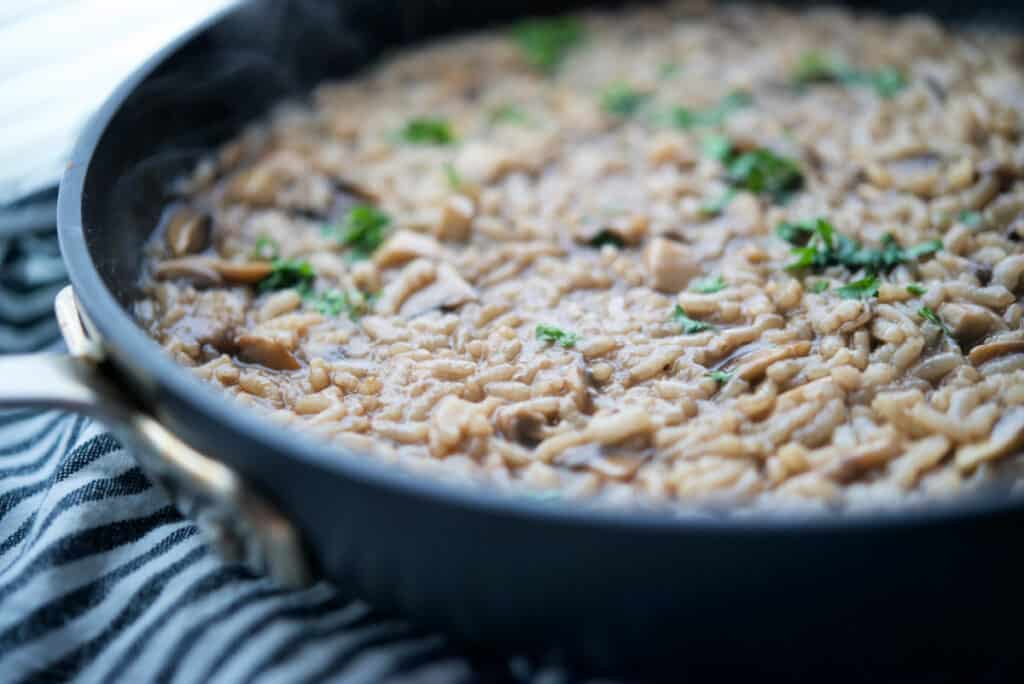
(742, 256)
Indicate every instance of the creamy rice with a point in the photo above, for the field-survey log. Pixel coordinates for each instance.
(583, 289)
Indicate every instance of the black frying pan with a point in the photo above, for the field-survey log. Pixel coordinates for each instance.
(614, 592)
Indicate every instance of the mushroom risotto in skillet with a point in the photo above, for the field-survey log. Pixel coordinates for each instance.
(737, 255)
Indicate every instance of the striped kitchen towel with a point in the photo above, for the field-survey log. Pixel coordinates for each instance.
(101, 580)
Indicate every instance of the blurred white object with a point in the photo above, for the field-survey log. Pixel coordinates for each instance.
(59, 59)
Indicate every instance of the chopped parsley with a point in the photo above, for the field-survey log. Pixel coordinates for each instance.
(689, 325)
(720, 376)
(823, 67)
(546, 42)
(819, 287)
(286, 273)
(714, 207)
(550, 333)
(334, 302)
(971, 219)
(762, 171)
(927, 313)
(708, 285)
(916, 289)
(759, 170)
(363, 229)
(865, 288)
(716, 147)
(266, 249)
(507, 114)
(818, 246)
(622, 99)
(668, 70)
(454, 180)
(685, 118)
(427, 130)
(606, 237)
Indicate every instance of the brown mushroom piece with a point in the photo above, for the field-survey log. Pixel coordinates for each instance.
(266, 351)
(198, 270)
(188, 232)
(1007, 437)
(207, 272)
(968, 323)
(242, 272)
(448, 291)
(522, 426)
(990, 350)
(404, 246)
(670, 265)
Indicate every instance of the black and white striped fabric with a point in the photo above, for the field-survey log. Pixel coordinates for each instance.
(102, 581)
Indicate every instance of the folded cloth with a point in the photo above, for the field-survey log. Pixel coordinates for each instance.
(101, 580)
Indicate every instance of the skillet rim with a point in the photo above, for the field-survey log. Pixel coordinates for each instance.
(126, 340)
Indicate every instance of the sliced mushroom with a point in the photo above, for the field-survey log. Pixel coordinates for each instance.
(968, 322)
(198, 270)
(1007, 437)
(404, 246)
(990, 350)
(257, 186)
(207, 272)
(522, 426)
(266, 351)
(243, 272)
(670, 265)
(188, 232)
(448, 291)
(455, 219)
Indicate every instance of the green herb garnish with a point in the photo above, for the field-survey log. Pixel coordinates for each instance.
(286, 273)
(763, 171)
(819, 287)
(450, 173)
(507, 114)
(928, 314)
(363, 229)
(427, 131)
(819, 246)
(550, 333)
(716, 206)
(916, 289)
(668, 70)
(606, 237)
(819, 67)
(266, 249)
(708, 285)
(759, 170)
(333, 302)
(721, 377)
(865, 288)
(716, 147)
(685, 118)
(622, 100)
(546, 42)
(689, 325)
(971, 219)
